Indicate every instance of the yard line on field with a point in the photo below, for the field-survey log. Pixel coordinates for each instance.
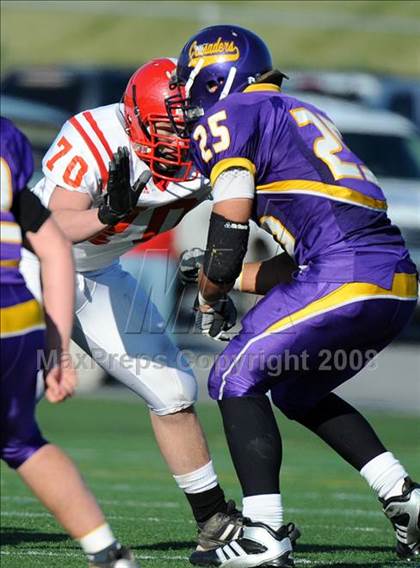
(173, 505)
(94, 453)
(24, 514)
(131, 503)
(336, 495)
(351, 497)
(138, 556)
(328, 511)
(122, 487)
(333, 527)
(29, 514)
(125, 503)
(37, 553)
(173, 521)
(76, 555)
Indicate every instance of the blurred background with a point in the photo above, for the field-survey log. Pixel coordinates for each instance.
(357, 60)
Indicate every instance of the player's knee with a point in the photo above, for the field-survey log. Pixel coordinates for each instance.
(16, 453)
(181, 394)
(293, 410)
(229, 386)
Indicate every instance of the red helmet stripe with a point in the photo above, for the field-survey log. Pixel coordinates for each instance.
(98, 132)
(104, 172)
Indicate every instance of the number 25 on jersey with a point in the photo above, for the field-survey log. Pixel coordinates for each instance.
(220, 133)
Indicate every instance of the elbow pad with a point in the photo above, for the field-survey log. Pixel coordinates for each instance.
(227, 244)
(29, 211)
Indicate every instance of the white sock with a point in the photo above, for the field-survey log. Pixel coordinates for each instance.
(385, 475)
(198, 481)
(266, 509)
(98, 539)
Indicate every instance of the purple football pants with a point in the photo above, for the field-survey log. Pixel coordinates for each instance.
(304, 339)
(20, 436)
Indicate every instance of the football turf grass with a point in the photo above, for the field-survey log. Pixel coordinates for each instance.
(111, 441)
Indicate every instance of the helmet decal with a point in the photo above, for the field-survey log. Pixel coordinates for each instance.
(213, 52)
(215, 62)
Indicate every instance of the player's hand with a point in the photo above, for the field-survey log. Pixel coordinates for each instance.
(61, 380)
(216, 319)
(120, 198)
(190, 263)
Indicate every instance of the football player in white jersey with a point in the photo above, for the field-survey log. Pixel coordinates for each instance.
(106, 211)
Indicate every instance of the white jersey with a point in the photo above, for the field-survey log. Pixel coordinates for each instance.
(78, 161)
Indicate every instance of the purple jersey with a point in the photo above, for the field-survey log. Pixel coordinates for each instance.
(16, 169)
(315, 196)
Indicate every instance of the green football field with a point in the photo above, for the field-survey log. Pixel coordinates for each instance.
(112, 442)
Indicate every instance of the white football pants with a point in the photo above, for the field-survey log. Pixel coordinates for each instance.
(122, 330)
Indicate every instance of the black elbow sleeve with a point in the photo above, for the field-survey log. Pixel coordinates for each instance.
(227, 244)
(29, 211)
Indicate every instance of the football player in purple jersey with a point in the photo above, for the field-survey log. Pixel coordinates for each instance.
(345, 285)
(25, 333)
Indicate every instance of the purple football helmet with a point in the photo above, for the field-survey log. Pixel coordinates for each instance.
(215, 62)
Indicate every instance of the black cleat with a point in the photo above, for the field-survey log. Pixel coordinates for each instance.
(404, 513)
(113, 557)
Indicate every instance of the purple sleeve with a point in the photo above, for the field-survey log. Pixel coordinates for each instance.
(16, 151)
(223, 135)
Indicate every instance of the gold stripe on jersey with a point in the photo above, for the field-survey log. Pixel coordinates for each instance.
(262, 87)
(21, 318)
(317, 188)
(404, 287)
(228, 163)
(9, 263)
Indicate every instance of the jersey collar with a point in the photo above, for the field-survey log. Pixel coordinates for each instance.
(261, 87)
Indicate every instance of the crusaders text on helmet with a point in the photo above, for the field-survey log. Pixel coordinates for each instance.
(215, 62)
(148, 126)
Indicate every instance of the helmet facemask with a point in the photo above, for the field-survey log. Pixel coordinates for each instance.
(179, 105)
(162, 149)
(154, 139)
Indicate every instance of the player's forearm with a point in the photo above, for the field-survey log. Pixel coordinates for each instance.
(255, 278)
(54, 251)
(260, 277)
(57, 274)
(78, 225)
(211, 291)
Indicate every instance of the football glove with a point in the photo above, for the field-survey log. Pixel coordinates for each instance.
(190, 263)
(218, 318)
(120, 198)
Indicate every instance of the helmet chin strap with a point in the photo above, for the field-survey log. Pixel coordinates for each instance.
(228, 85)
(192, 76)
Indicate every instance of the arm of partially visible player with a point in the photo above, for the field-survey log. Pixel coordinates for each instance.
(72, 213)
(256, 277)
(259, 277)
(57, 273)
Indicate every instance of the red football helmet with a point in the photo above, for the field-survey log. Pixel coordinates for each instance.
(148, 125)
